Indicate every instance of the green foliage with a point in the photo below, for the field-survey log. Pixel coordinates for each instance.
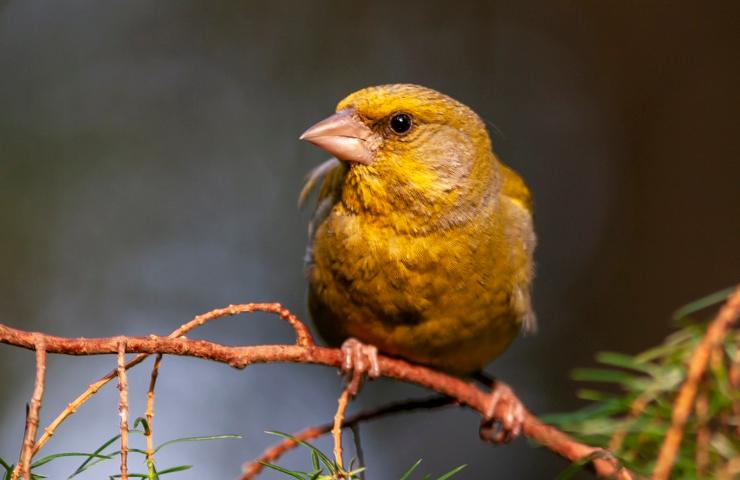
(637, 403)
(324, 468)
(101, 454)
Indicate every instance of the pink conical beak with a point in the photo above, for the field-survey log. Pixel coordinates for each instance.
(344, 136)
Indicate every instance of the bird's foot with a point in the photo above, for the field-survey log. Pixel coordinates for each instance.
(358, 360)
(502, 428)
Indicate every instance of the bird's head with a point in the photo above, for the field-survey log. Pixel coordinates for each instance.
(408, 147)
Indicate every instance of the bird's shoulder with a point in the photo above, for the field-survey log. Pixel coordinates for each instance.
(327, 178)
(513, 186)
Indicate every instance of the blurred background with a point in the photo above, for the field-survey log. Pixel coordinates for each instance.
(149, 169)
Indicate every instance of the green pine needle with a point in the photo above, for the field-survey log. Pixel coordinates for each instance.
(655, 376)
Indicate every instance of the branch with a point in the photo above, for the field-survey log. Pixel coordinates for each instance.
(349, 391)
(336, 430)
(703, 435)
(251, 469)
(682, 407)
(148, 433)
(123, 406)
(303, 337)
(463, 392)
(23, 469)
(636, 408)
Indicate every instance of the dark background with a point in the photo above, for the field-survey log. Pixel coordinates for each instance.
(149, 167)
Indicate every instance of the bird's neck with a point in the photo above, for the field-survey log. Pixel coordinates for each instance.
(414, 202)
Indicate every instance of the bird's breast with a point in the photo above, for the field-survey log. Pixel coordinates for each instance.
(419, 296)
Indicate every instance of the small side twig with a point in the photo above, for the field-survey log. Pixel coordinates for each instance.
(123, 407)
(72, 407)
(730, 470)
(703, 435)
(734, 377)
(336, 431)
(303, 338)
(252, 469)
(355, 428)
(23, 468)
(638, 406)
(149, 414)
(716, 332)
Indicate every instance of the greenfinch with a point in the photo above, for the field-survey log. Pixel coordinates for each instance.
(421, 243)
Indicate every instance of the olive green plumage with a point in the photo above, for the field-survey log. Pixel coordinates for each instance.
(426, 252)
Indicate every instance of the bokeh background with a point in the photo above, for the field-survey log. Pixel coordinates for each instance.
(149, 167)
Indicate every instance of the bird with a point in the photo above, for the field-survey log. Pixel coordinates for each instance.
(421, 243)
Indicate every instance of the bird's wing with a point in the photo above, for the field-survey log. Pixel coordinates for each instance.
(328, 177)
(517, 192)
(515, 188)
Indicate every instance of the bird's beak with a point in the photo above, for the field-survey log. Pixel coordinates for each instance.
(344, 136)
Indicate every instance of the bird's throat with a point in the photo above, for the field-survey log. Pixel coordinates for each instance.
(409, 205)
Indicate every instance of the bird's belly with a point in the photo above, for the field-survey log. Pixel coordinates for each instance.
(430, 300)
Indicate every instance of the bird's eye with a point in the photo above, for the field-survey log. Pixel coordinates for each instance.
(400, 123)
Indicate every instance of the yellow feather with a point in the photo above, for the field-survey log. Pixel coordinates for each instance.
(427, 252)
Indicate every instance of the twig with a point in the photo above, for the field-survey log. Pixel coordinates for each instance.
(23, 469)
(355, 428)
(72, 407)
(638, 406)
(703, 435)
(336, 431)
(734, 377)
(123, 406)
(730, 470)
(303, 337)
(241, 356)
(251, 469)
(148, 433)
(682, 407)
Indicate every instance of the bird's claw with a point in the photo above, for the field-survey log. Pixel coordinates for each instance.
(502, 428)
(358, 360)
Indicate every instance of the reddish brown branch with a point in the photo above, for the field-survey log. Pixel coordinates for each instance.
(638, 406)
(336, 430)
(734, 377)
(123, 406)
(682, 407)
(77, 402)
(148, 433)
(703, 435)
(23, 469)
(240, 356)
(251, 469)
(303, 337)
(359, 454)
